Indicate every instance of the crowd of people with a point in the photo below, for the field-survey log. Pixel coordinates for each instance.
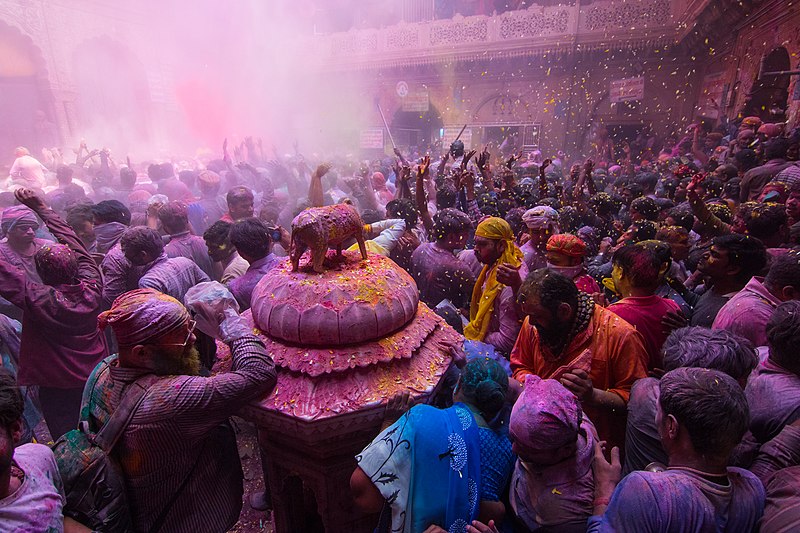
(631, 331)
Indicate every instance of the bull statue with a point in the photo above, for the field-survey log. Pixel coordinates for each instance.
(319, 228)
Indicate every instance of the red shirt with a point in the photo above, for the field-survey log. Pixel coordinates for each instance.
(645, 313)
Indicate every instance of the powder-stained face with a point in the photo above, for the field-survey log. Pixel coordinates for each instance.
(22, 234)
(242, 208)
(219, 251)
(487, 251)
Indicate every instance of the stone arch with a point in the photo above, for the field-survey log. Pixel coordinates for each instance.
(500, 108)
(26, 99)
(114, 104)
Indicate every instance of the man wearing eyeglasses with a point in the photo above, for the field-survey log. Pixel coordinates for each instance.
(178, 454)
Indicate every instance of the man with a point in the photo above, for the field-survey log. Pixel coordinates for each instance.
(26, 171)
(60, 342)
(240, 204)
(702, 415)
(439, 274)
(552, 486)
(595, 354)
(143, 247)
(222, 251)
(637, 271)
(747, 313)
(81, 219)
(211, 206)
(174, 218)
(773, 391)
(31, 492)
(730, 263)
(111, 219)
(693, 347)
(493, 310)
(755, 179)
(542, 223)
(566, 254)
(253, 243)
(178, 453)
(18, 226)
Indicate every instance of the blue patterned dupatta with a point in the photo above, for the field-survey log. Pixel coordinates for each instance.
(427, 465)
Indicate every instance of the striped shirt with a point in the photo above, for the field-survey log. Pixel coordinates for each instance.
(179, 418)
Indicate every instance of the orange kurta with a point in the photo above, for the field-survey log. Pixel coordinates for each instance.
(618, 359)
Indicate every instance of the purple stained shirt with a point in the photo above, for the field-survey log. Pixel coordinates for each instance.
(559, 497)
(191, 247)
(38, 503)
(533, 258)
(773, 395)
(180, 434)
(505, 323)
(172, 276)
(61, 342)
(242, 287)
(748, 312)
(680, 500)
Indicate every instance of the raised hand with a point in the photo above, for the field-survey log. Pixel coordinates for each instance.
(546, 163)
(483, 159)
(467, 157)
(588, 166)
(513, 159)
(29, 198)
(424, 167)
(322, 170)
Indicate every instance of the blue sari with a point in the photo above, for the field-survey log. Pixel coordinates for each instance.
(428, 467)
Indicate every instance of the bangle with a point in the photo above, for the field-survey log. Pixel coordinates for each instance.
(601, 501)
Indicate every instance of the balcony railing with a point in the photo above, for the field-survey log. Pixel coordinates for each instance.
(529, 32)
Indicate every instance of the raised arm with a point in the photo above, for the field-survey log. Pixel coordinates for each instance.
(543, 189)
(422, 201)
(88, 270)
(315, 193)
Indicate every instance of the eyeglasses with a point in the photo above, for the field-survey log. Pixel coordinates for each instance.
(192, 325)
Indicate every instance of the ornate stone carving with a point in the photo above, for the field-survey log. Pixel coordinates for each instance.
(402, 38)
(354, 43)
(523, 24)
(459, 32)
(626, 15)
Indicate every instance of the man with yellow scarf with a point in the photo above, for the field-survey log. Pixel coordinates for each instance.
(493, 314)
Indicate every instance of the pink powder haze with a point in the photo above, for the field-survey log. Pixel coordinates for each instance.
(224, 69)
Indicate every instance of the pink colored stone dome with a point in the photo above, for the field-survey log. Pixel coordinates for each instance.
(355, 302)
(327, 378)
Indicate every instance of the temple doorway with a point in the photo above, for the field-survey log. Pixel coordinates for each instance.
(26, 104)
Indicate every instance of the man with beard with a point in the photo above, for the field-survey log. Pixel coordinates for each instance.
(178, 453)
(595, 354)
(493, 312)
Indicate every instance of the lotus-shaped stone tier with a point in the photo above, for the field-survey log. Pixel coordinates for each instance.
(346, 339)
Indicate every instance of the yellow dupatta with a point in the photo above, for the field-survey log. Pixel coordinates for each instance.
(482, 304)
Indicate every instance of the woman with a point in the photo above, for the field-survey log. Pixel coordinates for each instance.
(443, 467)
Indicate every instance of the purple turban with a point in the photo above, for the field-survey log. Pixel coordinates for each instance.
(143, 314)
(15, 216)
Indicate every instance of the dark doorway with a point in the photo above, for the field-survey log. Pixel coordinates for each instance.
(416, 129)
(769, 95)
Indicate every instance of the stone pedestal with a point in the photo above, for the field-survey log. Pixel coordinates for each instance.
(344, 342)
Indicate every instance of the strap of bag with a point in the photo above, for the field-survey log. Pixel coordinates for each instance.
(115, 426)
(156, 527)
